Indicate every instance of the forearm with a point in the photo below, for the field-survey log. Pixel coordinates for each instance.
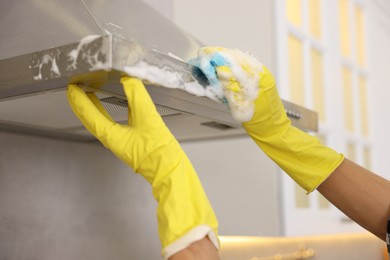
(199, 250)
(361, 195)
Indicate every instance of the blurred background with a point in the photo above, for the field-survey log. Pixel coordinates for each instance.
(59, 199)
(330, 56)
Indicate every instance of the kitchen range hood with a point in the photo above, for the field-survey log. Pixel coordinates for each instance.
(47, 44)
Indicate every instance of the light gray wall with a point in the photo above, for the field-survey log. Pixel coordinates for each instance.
(65, 200)
(241, 183)
(247, 25)
(62, 200)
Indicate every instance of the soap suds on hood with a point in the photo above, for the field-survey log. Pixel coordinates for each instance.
(239, 81)
(92, 59)
(48, 60)
(168, 78)
(45, 65)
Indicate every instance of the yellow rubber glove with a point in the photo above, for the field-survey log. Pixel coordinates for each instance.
(253, 99)
(184, 213)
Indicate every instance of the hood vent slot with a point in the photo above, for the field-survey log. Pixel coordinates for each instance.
(217, 125)
(115, 105)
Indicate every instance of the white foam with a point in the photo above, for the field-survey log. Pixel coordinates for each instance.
(241, 102)
(168, 78)
(92, 60)
(47, 60)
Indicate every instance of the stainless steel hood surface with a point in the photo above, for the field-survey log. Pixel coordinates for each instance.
(53, 43)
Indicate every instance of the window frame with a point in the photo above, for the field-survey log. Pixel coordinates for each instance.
(332, 129)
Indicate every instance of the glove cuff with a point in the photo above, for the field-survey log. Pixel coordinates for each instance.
(195, 234)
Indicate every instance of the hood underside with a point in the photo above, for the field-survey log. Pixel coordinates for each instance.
(90, 43)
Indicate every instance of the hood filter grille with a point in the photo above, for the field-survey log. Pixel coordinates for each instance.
(50, 111)
(118, 106)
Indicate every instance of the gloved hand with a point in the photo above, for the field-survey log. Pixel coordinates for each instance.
(252, 96)
(146, 145)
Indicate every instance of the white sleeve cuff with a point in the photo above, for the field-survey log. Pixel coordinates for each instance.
(195, 234)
